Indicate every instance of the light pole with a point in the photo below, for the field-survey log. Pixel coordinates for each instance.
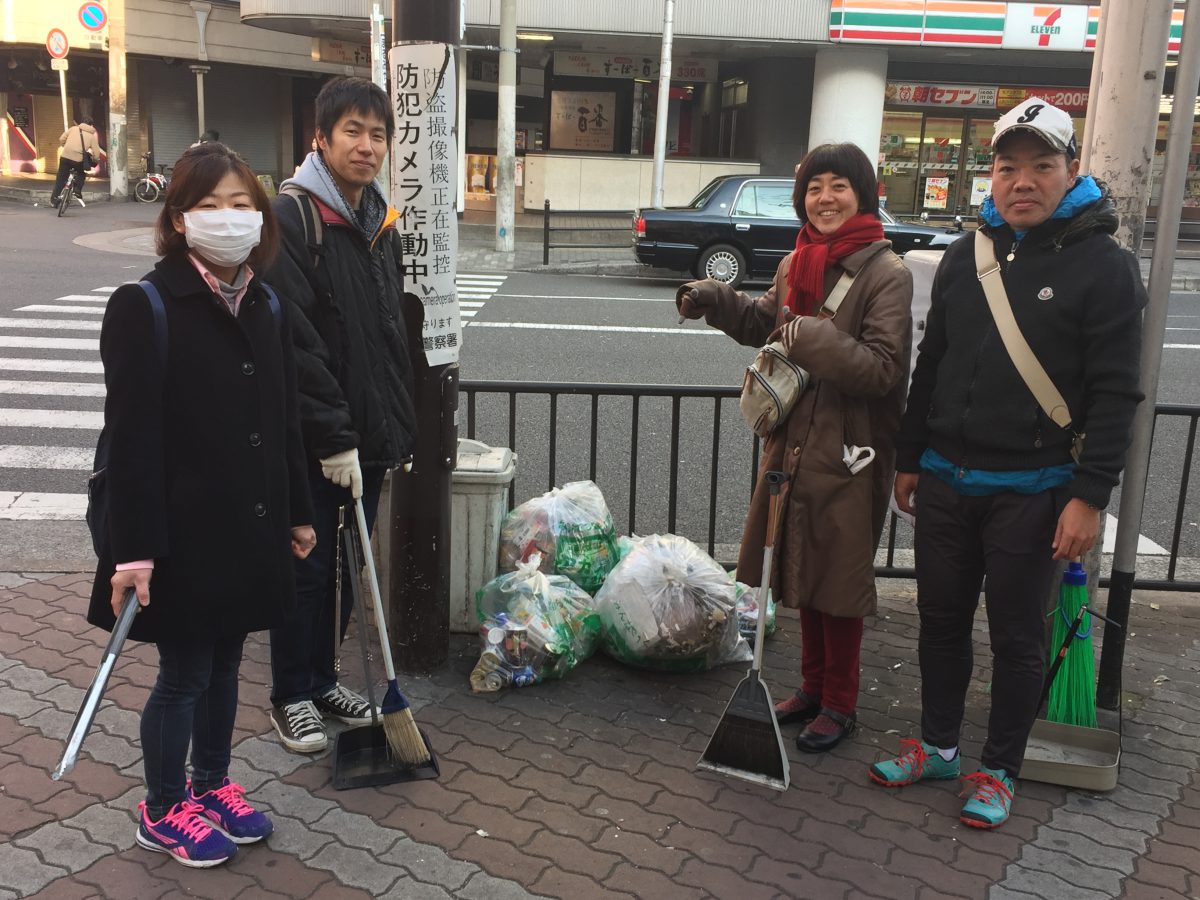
(664, 101)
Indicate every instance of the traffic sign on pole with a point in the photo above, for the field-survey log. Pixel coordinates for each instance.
(58, 65)
(93, 17)
(56, 43)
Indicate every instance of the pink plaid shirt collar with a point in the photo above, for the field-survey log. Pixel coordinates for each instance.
(215, 286)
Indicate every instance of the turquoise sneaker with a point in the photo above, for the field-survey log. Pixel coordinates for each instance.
(921, 761)
(991, 801)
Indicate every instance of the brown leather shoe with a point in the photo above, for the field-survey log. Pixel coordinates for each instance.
(800, 707)
(811, 741)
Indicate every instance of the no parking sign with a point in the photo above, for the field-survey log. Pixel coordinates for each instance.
(93, 17)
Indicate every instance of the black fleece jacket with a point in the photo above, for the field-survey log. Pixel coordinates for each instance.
(1078, 299)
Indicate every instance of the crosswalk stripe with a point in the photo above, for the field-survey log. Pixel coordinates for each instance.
(52, 324)
(40, 343)
(103, 290)
(21, 456)
(60, 366)
(51, 418)
(31, 505)
(82, 298)
(73, 310)
(470, 304)
(53, 388)
(467, 313)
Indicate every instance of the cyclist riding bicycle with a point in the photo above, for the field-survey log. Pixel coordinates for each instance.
(77, 142)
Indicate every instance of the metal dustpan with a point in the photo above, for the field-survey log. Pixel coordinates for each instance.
(361, 757)
(1071, 755)
(747, 743)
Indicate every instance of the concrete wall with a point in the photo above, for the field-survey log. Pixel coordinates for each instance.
(617, 182)
(780, 103)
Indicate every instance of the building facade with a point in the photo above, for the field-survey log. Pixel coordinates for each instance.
(916, 83)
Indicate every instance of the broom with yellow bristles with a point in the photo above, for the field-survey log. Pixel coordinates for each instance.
(404, 738)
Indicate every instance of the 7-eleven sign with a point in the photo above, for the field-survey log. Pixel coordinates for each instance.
(1045, 26)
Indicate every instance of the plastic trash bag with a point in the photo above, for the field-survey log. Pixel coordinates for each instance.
(572, 530)
(533, 626)
(668, 606)
(747, 612)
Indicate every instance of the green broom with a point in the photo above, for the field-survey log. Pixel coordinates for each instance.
(1072, 699)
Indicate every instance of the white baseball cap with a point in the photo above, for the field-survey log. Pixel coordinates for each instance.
(1035, 115)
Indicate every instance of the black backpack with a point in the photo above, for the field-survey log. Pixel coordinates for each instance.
(97, 508)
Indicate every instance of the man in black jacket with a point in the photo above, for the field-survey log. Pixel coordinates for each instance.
(988, 474)
(340, 266)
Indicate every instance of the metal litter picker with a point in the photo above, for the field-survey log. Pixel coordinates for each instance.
(95, 692)
(747, 743)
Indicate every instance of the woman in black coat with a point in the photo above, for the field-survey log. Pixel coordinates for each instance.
(206, 489)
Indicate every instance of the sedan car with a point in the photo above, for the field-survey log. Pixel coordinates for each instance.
(741, 226)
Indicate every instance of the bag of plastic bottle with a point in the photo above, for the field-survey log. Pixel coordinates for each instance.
(669, 606)
(747, 612)
(533, 626)
(570, 527)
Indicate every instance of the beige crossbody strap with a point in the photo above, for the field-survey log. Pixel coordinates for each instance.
(1030, 369)
(830, 307)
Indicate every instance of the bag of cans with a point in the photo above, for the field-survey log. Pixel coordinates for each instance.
(533, 626)
(570, 528)
(669, 606)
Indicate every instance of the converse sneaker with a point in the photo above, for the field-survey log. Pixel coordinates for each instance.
(226, 809)
(919, 762)
(989, 805)
(344, 705)
(184, 836)
(300, 727)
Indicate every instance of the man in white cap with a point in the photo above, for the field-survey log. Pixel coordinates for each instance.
(990, 477)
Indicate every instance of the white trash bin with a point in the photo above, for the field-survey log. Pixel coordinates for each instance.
(478, 503)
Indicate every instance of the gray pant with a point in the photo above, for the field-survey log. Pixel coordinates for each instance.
(960, 540)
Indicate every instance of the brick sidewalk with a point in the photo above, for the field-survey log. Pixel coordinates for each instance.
(585, 788)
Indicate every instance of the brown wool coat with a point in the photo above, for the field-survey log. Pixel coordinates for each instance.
(78, 138)
(831, 521)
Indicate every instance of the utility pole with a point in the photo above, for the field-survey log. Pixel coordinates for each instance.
(506, 130)
(1156, 22)
(118, 81)
(664, 100)
(379, 77)
(1089, 125)
(424, 152)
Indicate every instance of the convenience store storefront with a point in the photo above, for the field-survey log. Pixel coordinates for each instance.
(935, 149)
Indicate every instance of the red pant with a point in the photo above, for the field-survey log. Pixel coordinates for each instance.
(830, 647)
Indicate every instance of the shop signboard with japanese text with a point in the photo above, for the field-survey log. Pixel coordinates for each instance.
(424, 159)
(628, 65)
(1071, 99)
(582, 120)
(937, 192)
(950, 96)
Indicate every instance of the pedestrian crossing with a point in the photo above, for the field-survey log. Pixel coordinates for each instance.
(52, 397)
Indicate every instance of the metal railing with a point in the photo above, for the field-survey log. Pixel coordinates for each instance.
(582, 224)
(605, 451)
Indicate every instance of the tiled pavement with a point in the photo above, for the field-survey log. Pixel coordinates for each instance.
(585, 788)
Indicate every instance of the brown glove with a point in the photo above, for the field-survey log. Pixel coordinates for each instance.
(695, 298)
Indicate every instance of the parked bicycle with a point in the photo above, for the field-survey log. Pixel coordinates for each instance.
(154, 184)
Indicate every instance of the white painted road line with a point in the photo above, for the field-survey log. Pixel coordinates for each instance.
(19, 456)
(73, 310)
(558, 297)
(30, 505)
(61, 366)
(619, 329)
(1181, 346)
(81, 298)
(1145, 546)
(40, 343)
(52, 324)
(51, 418)
(103, 290)
(53, 388)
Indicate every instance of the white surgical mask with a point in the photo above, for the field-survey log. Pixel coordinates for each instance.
(223, 236)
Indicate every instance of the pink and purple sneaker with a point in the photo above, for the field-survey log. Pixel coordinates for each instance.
(185, 836)
(225, 808)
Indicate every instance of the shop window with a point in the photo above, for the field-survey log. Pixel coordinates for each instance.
(899, 146)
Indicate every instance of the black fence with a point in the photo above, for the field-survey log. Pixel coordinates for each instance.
(680, 459)
(585, 229)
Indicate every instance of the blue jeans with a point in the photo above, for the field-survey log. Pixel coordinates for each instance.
(194, 699)
(303, 648)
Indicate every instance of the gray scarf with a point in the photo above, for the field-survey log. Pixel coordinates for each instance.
(314, 176)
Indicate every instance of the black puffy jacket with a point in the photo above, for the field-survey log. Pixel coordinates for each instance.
(350, 325)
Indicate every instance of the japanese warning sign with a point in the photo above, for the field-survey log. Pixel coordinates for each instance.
(424, 163)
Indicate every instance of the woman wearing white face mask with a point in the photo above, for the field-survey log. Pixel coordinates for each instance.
(206, 490)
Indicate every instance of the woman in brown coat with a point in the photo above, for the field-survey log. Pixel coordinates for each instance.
(834, 504)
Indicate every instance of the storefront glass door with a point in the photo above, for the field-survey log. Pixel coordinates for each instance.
(940, 179)
(899, 145)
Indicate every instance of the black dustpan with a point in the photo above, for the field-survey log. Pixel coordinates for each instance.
(360, 755)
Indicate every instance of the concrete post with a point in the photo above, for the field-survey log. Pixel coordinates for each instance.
(1150, 50)
(506, 130)
(199, 72)
(1089, 127)
(664, 101)
(848, 93)
(118, 88)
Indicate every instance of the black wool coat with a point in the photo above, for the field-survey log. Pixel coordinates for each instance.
(206, 471)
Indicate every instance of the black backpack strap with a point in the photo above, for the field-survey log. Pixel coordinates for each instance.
(160, 320)
(273, 302)
(310, 220)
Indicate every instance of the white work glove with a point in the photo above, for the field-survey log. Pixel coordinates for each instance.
(343, 470)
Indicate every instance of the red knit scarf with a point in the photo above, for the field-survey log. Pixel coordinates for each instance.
(816, 252)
